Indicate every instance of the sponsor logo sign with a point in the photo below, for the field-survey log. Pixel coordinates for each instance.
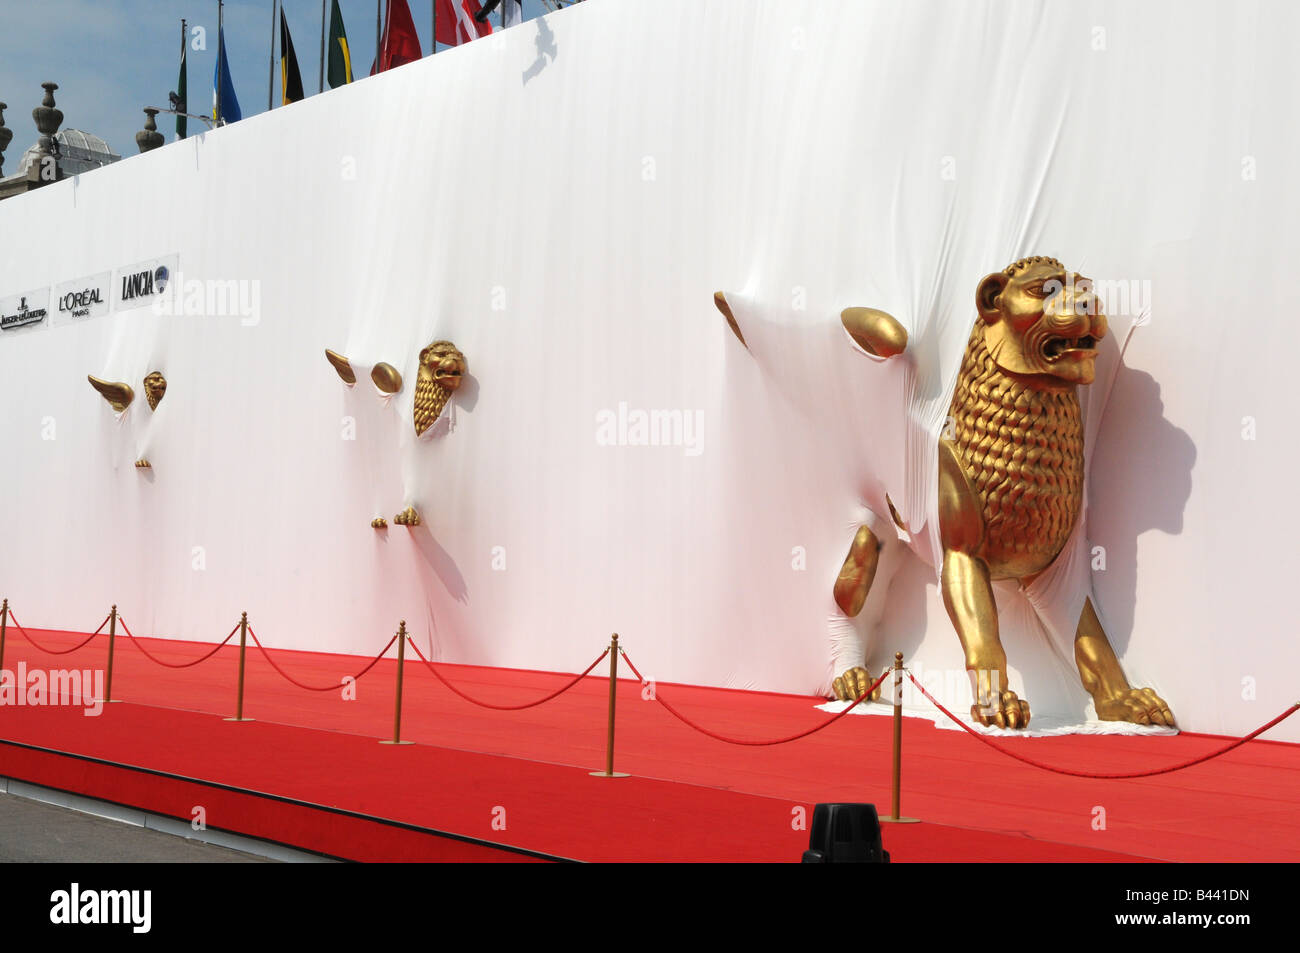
(27, 310)
(81, 299)
(142, 283)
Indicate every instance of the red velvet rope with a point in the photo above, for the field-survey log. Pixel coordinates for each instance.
(1108, 777)
(533, 704)
(318, 688)
(775, 741)
(153, 658)
(28, 636)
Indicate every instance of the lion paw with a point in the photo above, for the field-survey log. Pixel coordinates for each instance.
(851, 686)
(1141, 706)
(1004, 711)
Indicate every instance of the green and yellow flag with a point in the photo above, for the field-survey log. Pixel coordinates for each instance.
(340, 58)
(290, 77)
(181, 107)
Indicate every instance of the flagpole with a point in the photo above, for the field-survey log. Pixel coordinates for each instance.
(184, 106)
(270, 68)
(220, 46)
(321, 82)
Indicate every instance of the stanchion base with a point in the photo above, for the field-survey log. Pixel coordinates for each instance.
(603, 774)
(391, 742)
(109, 701)
(238, 719)
(900, 820)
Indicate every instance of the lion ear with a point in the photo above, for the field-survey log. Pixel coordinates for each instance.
(986, 295)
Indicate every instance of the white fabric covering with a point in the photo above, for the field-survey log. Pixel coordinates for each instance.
(561, 201)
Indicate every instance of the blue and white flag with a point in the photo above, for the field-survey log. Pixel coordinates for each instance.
(221, 81)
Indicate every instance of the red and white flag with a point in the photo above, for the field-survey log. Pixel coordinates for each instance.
(456, 23)
(399, 43)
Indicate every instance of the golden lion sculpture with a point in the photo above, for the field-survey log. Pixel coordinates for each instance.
(442, 368)
(1011, 468)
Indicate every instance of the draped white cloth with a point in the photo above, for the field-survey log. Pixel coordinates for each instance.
(561, 201)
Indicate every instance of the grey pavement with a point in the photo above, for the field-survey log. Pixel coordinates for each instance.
(37, 832)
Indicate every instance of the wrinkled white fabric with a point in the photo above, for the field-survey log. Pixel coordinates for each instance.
(561, 201)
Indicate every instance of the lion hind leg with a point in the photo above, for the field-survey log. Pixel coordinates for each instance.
(852, 587)
(1103, 678)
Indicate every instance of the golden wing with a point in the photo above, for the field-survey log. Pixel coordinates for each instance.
(342, 366)
(118, 394)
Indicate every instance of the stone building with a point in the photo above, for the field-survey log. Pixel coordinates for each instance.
(55, 154)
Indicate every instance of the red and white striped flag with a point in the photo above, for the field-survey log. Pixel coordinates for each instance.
(456, 23)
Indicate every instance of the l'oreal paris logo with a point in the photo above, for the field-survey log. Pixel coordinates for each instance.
(78, 303)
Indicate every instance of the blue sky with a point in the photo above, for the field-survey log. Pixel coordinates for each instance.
(111, 58)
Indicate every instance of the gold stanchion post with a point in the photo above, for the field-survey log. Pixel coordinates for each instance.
(4, 623)
(112, 641)
(243, 644)
(397, 701)
(895, 815)
(609, 771)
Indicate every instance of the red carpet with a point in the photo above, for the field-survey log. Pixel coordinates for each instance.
(309, 771)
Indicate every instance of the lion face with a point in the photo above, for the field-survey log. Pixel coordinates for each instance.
(155, 387)
(1042, 321)
(443, 363)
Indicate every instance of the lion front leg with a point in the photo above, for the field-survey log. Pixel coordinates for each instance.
(1104, 680)
(968, 597)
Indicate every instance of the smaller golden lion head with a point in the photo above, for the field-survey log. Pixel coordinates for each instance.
(155, 387)
(442, 367)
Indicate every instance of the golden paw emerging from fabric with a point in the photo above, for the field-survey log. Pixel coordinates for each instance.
(850, 686)
(1141, 706)
(143, 464)
(379, 523)
(408, 517)
(1004, 711)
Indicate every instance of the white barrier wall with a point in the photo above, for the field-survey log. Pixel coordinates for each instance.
(562, 201)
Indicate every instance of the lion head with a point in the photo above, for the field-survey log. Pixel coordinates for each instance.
(442, 367)
(1042, 322)
(155, 386)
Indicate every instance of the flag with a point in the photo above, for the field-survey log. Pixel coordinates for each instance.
(456, 23)
(181, 106)
(290, 78)
(512, 14)
(399, 43)
(340, 59)
(221, 81)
